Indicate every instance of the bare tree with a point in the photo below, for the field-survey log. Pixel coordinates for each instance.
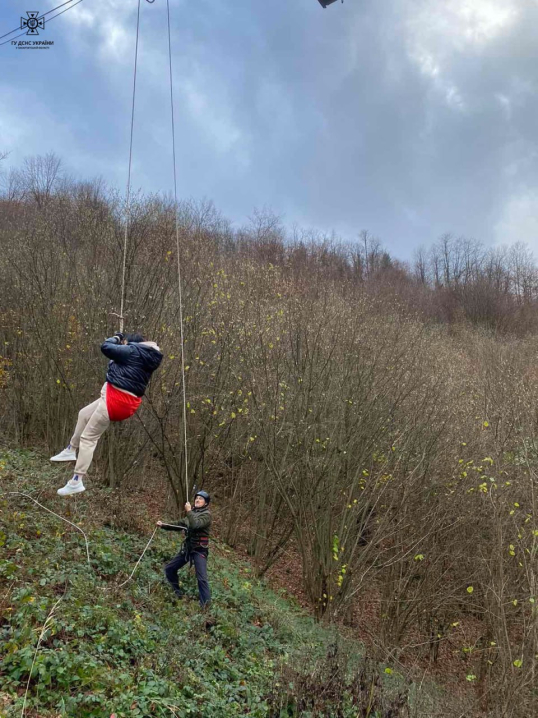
(39, 176)
(421, 265)
(12, 185)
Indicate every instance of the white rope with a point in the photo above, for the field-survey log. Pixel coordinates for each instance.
(128, 217)
(177, 254)
(128, 203)
(19, 493)
(140, 559)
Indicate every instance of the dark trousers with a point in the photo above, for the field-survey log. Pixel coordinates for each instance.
(200, 564)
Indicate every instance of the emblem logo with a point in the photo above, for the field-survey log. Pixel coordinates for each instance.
(32, 22)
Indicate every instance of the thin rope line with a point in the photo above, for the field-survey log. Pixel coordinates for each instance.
(19, 493)
(140, 559)
(128, 205)
(49, 20)
(177, 254)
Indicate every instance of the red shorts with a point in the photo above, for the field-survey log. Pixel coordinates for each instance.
(119, 404)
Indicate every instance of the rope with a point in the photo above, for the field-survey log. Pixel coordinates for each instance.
(128, 203)
(177, 254)
(140, 559)
(19, 493)
(128, 217)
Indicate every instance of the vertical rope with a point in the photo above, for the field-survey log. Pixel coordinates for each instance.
(177, 254)
(128, 206)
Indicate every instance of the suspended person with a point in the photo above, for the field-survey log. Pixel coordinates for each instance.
(195, 548)
(132, 362)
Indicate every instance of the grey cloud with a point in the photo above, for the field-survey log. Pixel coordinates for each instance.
(389, 116)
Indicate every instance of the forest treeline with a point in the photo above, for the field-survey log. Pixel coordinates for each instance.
(377, 416)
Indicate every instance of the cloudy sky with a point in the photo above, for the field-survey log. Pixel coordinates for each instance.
(409, 118)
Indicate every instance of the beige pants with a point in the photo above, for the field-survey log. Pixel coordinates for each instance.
(92, 423)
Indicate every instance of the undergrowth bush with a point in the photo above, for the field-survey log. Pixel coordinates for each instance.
(87, 648)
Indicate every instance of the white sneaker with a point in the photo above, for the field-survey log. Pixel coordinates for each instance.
(68, 454)
(73, 486)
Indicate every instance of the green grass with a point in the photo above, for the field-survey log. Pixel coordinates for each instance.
(130, 651)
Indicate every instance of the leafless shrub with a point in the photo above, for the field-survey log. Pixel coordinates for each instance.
(381, 421)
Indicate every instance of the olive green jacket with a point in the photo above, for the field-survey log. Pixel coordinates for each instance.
(198, 524)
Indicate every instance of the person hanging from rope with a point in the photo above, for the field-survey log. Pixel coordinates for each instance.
(132, 362)
(195, 548)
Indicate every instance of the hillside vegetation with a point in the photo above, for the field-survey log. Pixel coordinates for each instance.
(373, 421)
(97, 648)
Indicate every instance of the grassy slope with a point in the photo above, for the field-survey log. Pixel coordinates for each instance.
(131, 651)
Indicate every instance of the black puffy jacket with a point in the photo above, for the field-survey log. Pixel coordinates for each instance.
(131, 365)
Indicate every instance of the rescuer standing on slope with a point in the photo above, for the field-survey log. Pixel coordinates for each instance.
(195, 548)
